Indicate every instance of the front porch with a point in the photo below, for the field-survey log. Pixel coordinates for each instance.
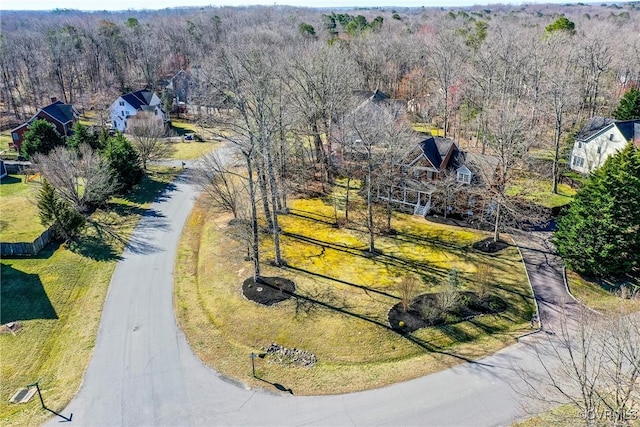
(418, 200)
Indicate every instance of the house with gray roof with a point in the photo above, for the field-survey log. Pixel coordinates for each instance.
(600, 138)
(130, 104)
(431, 162)
(62, 116)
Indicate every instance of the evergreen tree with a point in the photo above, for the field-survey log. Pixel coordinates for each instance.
(55, 212)
(124, 161)
(629, 106)
(599, 234)
(41, 137)
(561, 24)
(82, 135)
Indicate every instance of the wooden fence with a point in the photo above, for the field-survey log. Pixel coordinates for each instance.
(26, 249)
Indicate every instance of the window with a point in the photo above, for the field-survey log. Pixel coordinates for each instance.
(599, 149)
(122, 113)
(15, 136)
(610, 137)
(579, 144)
(578, 161)
(122, 103)
(464, 177)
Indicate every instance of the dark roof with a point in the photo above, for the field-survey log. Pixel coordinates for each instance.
(139, 98)
(597, 124)
(60, 111)
(376, 96)
(627, 128)
(593, 126)
(477, 163)
(435, 149)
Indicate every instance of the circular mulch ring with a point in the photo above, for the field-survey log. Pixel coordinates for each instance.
(489, 246)
(414, 318)
(268, 290)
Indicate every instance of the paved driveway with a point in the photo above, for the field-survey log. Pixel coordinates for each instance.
(144, 373)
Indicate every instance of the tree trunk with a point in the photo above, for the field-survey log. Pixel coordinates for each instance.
(372, 246)
(264, 194)
(496, 230)
(274, 195)
(255, 243)
(556, 156)
(346, 201)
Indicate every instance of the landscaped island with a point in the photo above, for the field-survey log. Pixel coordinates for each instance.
(340, 307)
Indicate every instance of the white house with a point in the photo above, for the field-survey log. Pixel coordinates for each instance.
(128, 105)
(599, 139)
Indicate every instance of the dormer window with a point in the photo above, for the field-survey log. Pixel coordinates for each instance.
(464, 177)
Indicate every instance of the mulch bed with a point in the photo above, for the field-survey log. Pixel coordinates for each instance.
(414, 318)
(268, 290)
(489, 246)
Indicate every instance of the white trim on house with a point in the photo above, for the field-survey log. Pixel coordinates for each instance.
(591, 153)
(121, 110)
(463, 175)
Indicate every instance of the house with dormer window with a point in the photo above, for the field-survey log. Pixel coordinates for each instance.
(600, 138)
(435, 166)
(129, 104)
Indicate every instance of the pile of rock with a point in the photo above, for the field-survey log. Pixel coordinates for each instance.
(290, 356)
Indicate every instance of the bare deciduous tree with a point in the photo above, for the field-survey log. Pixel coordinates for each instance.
(147, 132)
(222, 185)
(592, 364)
(82, 178)
(407, 287)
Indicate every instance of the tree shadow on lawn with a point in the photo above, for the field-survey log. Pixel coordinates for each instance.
(23, 297)
(150, 192)
(9, 179)
(388, 260)
(417, 341)
(106, 240)
(296, 213)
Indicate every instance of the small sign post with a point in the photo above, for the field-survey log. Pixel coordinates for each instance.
(44, 406)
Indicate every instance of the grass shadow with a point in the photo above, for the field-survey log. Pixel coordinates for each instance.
(420, 343)
(23, 297)
(150, 190)
(9, 179)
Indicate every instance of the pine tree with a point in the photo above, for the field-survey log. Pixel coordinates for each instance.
(629, 106)
(57, 213)
(124, 161)
(599, 235)
(41, 137)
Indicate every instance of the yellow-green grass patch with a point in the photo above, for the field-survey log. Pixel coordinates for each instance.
(341, 316)
(604, 294)
(539, 191)
(57, 296)
(20, 221)
(191, 150)
(427, 129)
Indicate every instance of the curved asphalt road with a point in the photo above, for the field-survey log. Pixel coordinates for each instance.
(144, 373)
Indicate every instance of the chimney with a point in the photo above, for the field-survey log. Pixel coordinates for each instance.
(54, 99)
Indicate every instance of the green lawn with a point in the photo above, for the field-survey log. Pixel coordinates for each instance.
(19, 222)
(191, 150)
(346, 325)
(57, 297)
(538, 190)
(604, 294)
(427, 128)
